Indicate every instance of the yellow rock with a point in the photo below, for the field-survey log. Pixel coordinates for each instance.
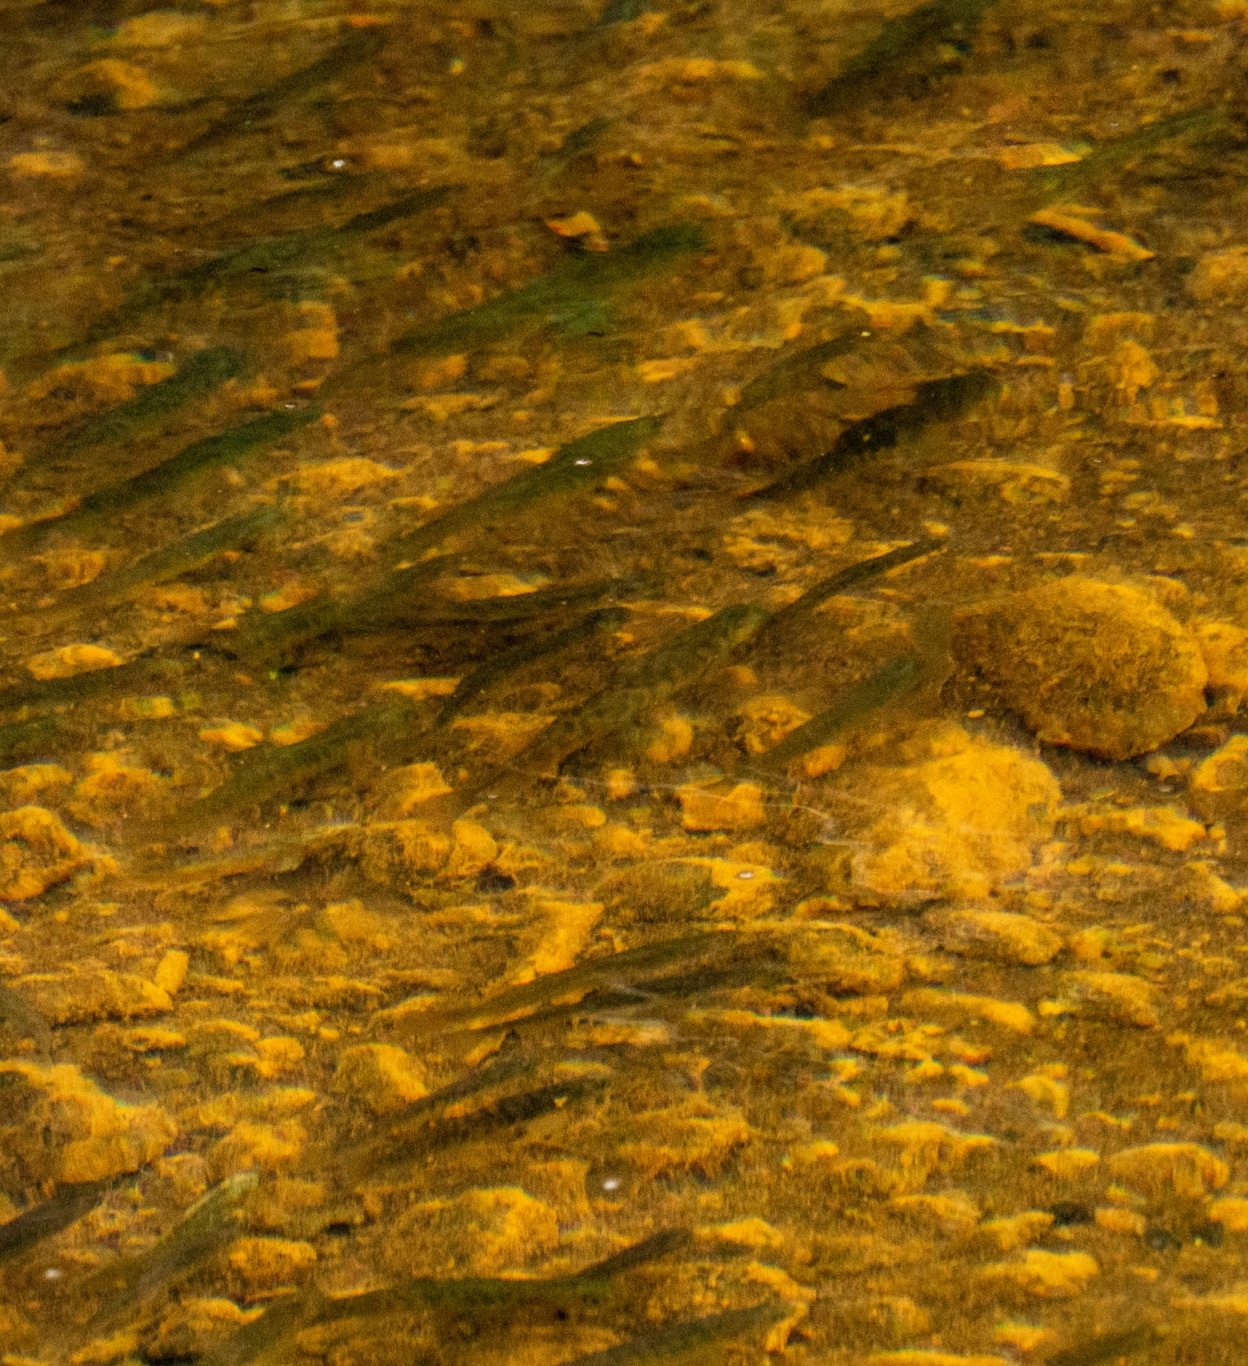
(845, 958)
(67, 661)
(404, 789)
(59, 1126)
(1225, 648)
(20, 786)
(77, 996)
(171, 970)
(921, 1356)
(380, 1076)
(289, 595)
(1221, 276)
(1203, 886)
(401, 853)
(953, 1209)
(673, 740)
(1115, 996)
(419, 689)
(147, 708)
(816, 762)
(351, 923)
(765, 721)
(1045, 1090)
(158, 28)
(736, 808)
(312, 343)
(690, 1137)
(958, 824)
(827, 1034)
(122, 84)
(1219, 785)
(1015, 1230)
(619, 841)
(754, 1233)
(1068, 1163)
(1014, 483)
(1231, 1213)
(1012, 1015)
(1000, 935)
(116, 790)
(55, 165)
(257, 1147)
(473, 849)
(37, 852)
(570, 925)
(232, 735)
(1127, 1220)
(269, 1261)
(482, 1232)
(1026, 1337)
(925, 1147)
(1099, 667)
(1161, 824)
(295, 732)
(1049, 1275)
(1190, 1170)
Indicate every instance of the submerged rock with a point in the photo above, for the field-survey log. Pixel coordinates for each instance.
(1097, 666)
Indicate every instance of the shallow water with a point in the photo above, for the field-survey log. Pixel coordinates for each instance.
(621, 683)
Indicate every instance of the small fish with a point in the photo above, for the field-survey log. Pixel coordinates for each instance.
(571, 298)
(704, 1340)
(641, 685)
(208, 1225)
(359, 46)
(145, 670)
(579, 465)
(897, 42)
(801, 368)
(166, 477)
(502, 663)
(892, 680)
(201, 374)
(276, 770)
(936, 400)
(192, 552)
(70, 1202)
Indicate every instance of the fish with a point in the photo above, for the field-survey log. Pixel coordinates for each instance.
(899, 676)
(359, 46)
(141, 672)
(208, 1225)
(898, 41)
(701, 1340)
(167, 476)
(797, 369)
(474, 1296)
(935, 400)
(275, 770)
(502, 663)
(71, 1201)
(202, 373)
(30, 734)
(578, 465)
(572, 297)
(192, 552)
(1106, 1347)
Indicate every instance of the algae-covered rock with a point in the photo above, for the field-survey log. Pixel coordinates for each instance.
(37, 852)
(1097, 666)
(1000, 935)
(59, 1126)
(380, 1076)
(959, 822)
(1219, 786)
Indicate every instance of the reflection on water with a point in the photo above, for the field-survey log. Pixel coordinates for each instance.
(623, 636)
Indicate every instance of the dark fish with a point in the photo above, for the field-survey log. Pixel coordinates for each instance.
(898, 41)
(641, 685)
(1106, 1347)
(163, 478)
(201, 374)
(935, 400)
(581, 464)
(277, 770)
(67, 1206)
(798, 612)
(208, 1225)
(469, 1295)
(192, 552)
(895, 678)
(18, 737)
(502, 663)
(572, 297)
(357, 47)
(146, 670)
(796, 370)
(702, 1341)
